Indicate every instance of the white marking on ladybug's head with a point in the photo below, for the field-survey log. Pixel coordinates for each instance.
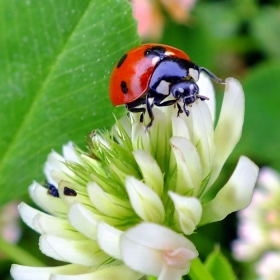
(167, 53)
(194, 74)
(181, 89)
(155, 60)
(163, 88)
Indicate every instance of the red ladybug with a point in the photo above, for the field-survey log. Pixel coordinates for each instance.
(148, 74)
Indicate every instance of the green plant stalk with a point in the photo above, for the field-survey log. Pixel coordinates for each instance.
(18, 255)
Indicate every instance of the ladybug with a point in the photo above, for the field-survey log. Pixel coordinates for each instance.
(149, 73)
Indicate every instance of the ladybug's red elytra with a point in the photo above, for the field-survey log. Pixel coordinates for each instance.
(154, 72)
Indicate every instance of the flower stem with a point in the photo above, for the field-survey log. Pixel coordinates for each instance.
(198, 271)
(17, 254)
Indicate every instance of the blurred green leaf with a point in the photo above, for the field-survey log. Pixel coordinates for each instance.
(225, 23)
(220, 19)
(199, 271)
(261, 131)
(219, 266)
(56, 58)
(265, 28)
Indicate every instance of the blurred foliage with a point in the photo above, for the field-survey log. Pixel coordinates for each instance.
(219, 266)
(56, 58)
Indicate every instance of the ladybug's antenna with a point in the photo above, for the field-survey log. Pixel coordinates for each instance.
(212, 76)
(202, 98)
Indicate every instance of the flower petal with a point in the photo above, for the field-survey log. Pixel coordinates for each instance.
(153, 249)
(68, 199)
(140, 138)
(188, 211)
(28, 213)
(20, 272)
(150, 170)
(55, 226)
(141, 258)
(158, 237)
(83, 220)
(168, 272)
(201, 129)
(47, 202)
(206, 88)
(83, 252)
(189, 170)
(109, 239)
(108, 204)
(44, 223)
(229, 126)
(145, 202)
(55, 168)
(124, 124)
(107, 273)
(179, 127)
(54, 161)
(159, 137)
(235, 195)
(69, 152)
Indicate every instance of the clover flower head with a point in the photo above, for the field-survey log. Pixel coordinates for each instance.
(268, 266)
(259, 227)
(126, 207)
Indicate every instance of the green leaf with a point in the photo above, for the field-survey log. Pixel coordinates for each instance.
(261, 133)
(219, 266)
(199, 271)
(151, 278)
(56, 58)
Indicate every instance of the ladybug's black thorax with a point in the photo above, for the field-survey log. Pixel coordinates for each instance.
(171, 70)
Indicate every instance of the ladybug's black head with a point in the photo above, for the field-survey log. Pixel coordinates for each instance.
(187, 91)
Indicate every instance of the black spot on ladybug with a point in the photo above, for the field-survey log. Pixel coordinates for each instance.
(69, 192)
(52, 190)
(121, 61)
(124, 87)
(155, 51)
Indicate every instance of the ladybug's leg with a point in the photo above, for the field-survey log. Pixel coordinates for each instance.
(187, 112)
(149, 109)
(180, 111)
(131, 107)
(166, 103)
(138, 110)
(158, 102)
(202, 98)
(169, 103)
